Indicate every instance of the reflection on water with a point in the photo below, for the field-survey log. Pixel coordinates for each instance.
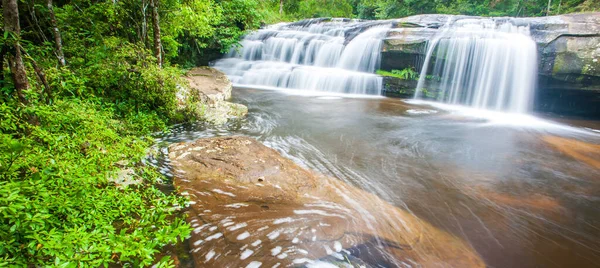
(522, 195)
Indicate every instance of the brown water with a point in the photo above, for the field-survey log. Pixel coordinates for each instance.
(522, 193)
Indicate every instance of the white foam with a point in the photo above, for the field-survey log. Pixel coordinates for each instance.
(282, 256)
(197, 230)
(254, 264)
(237, 226)
(309, 93)
(283, 220)
(337, 246)
(420, 111)
(237, 205)
(219, 191)
(273, 235)
(275, 251)
(209, 255)
(215, 236)
(302, 260)
(243, 236)
(246, 253)
(504, 119)
(318, 212)
(321, 264)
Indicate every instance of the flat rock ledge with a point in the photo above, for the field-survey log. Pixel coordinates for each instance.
(212, 88)
(251, 207)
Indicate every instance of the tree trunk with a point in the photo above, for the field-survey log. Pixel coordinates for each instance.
(57, 37)
(144, 32)
(280, 7)
(41, 76)
(156, 28)
(548, 11)
(15, 61)
(2, 53)
(35, 22)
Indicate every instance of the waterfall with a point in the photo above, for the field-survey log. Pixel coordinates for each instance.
(333, 56)
(484, 64)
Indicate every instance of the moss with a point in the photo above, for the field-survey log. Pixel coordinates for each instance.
(591, 67)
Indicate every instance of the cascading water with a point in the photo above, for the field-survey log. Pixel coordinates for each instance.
(483, 64)
(314, 55)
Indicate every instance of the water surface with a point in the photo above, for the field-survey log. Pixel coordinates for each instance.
(521, 191)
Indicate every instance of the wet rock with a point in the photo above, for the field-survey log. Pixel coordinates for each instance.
(400, 88)
(125, 177)
(252, 206)
(212, 88)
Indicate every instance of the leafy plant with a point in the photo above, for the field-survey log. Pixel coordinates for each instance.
(58, 204)
(404, 74)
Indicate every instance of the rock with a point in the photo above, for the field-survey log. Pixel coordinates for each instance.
(400, 88)
(251, 205)
(125, 177)
(212, 88)
(568, 56)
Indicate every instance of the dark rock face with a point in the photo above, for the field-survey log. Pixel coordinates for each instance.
(399, 88)
(568, 56)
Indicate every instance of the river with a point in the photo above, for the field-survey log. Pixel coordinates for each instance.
(522, 191)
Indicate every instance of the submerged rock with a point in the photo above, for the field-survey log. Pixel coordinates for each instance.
(212, 88)
(581, 151)
(251, 206)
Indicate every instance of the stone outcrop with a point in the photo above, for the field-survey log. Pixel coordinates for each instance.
(568, 56)
(211, 88)
(251, 206)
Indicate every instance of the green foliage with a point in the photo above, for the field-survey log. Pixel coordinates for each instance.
(125, 74)
(385, 9)
(57, 204)
(329, 8)
(301, 9)
(200, 28)
(60, 154)
(404, 74)
(388, 9)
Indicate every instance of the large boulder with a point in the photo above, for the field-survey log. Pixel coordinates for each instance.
(568, 56)
(211, 88)
(253, 207)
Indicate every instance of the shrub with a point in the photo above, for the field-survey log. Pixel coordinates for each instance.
(57, 204)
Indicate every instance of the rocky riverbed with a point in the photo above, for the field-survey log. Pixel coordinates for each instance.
(253, 207)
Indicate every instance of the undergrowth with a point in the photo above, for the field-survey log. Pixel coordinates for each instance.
(58, 204)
